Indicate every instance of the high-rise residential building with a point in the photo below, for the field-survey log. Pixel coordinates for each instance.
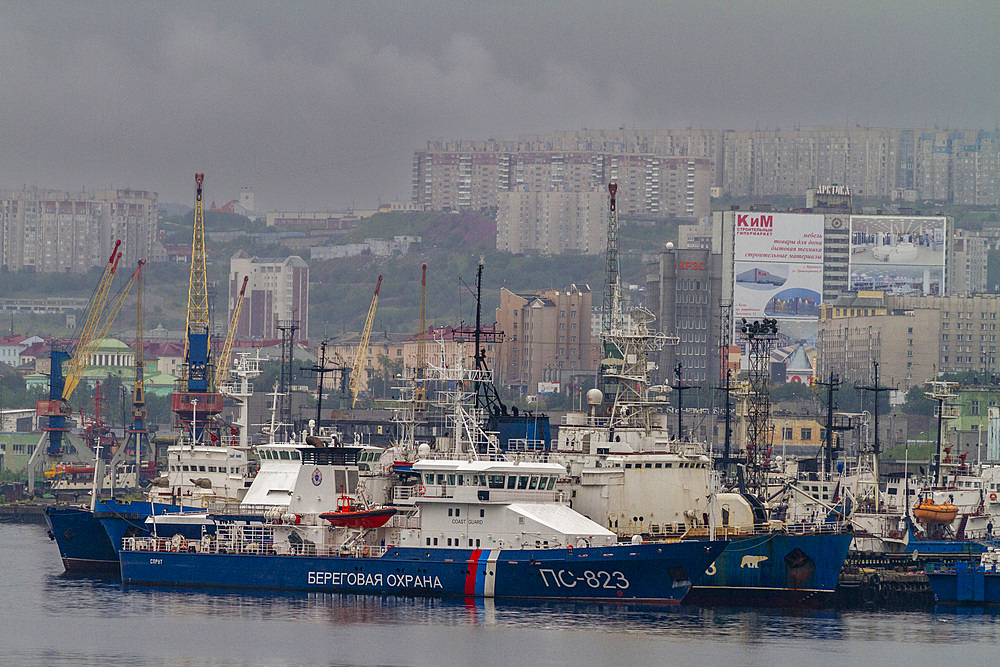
(967, 263)
(554, 222)
(471, 176)
(547, 337)
(277, 293)
(49, 231)
(957, 166)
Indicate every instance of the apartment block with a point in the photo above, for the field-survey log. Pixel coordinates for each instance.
(914, 338)
(967, 263)
(49, 231)
(956, 166)
(277, 292)
(554, 222)
(547, 337)
(471, 175)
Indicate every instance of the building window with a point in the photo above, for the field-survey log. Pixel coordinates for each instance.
(807, 434)
(786, 433)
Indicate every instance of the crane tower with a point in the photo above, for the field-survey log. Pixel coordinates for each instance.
(196, 402)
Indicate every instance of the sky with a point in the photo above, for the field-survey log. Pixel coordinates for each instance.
(320, 105)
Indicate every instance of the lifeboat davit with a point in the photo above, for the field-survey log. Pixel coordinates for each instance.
(928, 512)
(347, 516)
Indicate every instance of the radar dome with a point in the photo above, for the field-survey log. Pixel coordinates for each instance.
(595, 396)
(424, 450)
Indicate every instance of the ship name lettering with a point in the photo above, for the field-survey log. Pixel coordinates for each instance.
(344, 579)
(600, 579)
(156, 561)
(458, 521)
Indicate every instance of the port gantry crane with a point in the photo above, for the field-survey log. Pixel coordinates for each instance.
(78, 356)
(195, 403)
(359, 358)
(137, 435)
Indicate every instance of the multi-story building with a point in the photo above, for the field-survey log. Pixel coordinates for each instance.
(914, 338)
(470, 176)
(48, 231)
(554, 222)
(967, 263)
(277, 293)
(547, 337)
(684, 292)
(959, 166)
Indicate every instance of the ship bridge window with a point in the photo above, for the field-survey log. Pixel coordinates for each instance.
(284, 455)
(628, 465)
(185, 468)
(522, 482)
(295, 456)
(211, 469)
(495, 481)
(201, 468)
(451, 479)
(533, 483)
(659, 465)
(441, 479)
(511, 481)
(552, 483)
(428, 478)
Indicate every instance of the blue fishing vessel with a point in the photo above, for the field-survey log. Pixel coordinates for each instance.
(462, 527)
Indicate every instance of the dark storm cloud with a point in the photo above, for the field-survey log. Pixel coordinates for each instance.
(320, 105)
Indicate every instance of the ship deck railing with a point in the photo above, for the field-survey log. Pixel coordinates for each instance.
(729, 532)
(261, 544)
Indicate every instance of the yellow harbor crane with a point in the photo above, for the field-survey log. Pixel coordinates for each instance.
(359, 358)
(222, 368)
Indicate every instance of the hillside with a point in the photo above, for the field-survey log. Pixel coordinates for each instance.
(341, 289)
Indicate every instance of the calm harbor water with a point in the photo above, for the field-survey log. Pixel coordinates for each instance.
(49, 618)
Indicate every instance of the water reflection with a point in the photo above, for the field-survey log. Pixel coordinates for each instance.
(100, 621)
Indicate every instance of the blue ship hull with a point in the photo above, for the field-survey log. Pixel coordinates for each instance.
(89, 541)
(83, 544)
(774, 569)
(964, 584)
(648, 572)
(949, 547)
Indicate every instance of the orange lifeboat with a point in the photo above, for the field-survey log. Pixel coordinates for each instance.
(349, 516)
(927, 512)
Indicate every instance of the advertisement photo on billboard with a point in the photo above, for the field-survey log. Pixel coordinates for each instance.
(898, 254)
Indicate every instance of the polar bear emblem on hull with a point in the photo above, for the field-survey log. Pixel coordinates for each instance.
(752, 561)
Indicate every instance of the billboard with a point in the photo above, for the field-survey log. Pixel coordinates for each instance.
(898, 254)
(778, 271)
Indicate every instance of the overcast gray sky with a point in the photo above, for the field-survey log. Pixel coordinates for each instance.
(320, 105)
